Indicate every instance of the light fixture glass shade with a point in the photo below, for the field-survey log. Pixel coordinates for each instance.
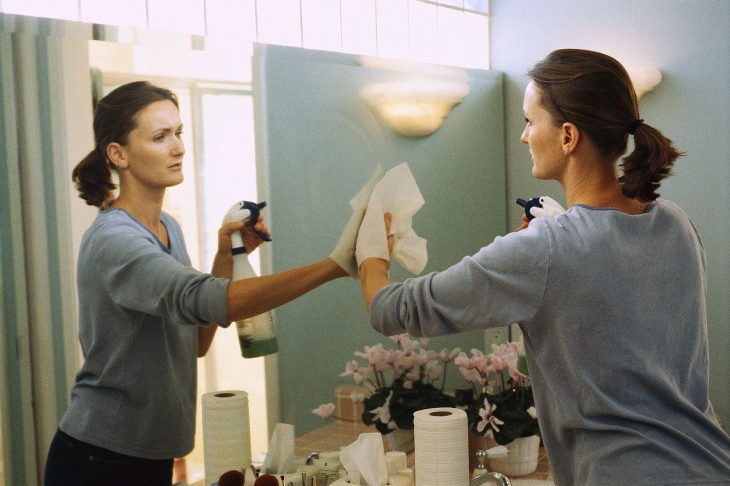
(414, 109)
(644, 80)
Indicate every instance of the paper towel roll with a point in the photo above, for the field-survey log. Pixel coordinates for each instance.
(442, 450)
(226, 433)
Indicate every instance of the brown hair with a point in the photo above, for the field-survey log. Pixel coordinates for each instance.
(594, 92)
(115, 116)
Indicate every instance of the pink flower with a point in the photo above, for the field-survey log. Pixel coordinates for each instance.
(325, 410)
(470, 374)
(462, 360)
(404, 342)
(376, 356)
(352, 368)
(448, 356)
(422, 357)
(504, 356)
(479, 361)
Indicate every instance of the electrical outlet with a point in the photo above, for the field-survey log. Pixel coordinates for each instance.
(495, 335)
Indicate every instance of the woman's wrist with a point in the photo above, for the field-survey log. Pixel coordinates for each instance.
(373, 277)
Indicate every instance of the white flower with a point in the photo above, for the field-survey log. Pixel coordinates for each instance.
(434, 371)
(357, 397)
(487, 419)
(383, 413)
(325, 410)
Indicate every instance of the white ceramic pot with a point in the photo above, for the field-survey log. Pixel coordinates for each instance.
(521, 460)
(400, 440)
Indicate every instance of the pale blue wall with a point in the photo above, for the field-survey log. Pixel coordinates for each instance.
(688, 41)
(321, 142)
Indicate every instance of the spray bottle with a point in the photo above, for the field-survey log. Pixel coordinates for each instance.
(256, 335)
(540, 206)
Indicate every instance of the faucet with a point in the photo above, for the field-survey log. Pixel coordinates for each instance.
(482, 476)
(498, 478)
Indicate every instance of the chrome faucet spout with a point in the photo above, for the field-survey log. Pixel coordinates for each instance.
(497, 478)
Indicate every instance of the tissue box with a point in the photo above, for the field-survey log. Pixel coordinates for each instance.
(346, 408)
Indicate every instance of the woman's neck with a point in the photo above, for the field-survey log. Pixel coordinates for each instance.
(144, 206)
(596, 184)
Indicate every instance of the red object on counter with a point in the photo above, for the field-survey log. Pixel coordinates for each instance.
(266, 480)
(232, 478)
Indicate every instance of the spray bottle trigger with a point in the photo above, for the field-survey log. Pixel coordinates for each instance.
(255, 209)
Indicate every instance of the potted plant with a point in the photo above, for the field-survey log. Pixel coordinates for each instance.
(399, 382)
(502, 406)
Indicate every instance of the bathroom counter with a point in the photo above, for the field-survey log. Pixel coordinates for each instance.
(339, 433)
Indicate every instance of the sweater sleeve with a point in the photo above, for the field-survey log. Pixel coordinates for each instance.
(502, 283)
(139, 275)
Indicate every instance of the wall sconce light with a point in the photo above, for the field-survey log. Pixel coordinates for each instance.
(414, 109)
(644, 80)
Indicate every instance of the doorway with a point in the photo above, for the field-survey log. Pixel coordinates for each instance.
(220, 168)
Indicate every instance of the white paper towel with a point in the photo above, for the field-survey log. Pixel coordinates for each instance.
(396, 193)
(280, 456)
(442, 447)
(226, 434)
(364, 460)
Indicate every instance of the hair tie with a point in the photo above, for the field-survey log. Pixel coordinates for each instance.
(636, 124)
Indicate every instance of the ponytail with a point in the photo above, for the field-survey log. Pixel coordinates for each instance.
(93, 179)
(594, 91)
(649, 163)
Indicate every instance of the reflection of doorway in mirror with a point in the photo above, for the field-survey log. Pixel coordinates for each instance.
(219, 169)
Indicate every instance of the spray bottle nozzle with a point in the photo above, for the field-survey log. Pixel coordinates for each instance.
(245, 211)
(529, 204)
(542, 206)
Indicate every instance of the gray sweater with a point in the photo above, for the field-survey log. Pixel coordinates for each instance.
(612, 308)
(140, 305)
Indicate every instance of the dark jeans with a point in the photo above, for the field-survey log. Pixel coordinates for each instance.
(74, 463)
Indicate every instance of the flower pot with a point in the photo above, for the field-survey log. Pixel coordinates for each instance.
(521, 460)
(400, 440)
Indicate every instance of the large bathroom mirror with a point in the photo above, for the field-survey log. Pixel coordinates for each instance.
(287, 125)
(320, 140)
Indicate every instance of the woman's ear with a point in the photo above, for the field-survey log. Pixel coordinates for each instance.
(115, 154)
(570, 138)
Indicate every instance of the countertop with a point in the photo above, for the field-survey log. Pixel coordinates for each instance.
(339, 433)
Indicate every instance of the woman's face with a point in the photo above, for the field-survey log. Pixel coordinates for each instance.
(543, 136)
(154, 149)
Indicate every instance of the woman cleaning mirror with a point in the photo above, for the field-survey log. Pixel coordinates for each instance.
(610, 295)
(145, 314)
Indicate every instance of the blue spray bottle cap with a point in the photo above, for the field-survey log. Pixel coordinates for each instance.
(255, 209)
(529, 204)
